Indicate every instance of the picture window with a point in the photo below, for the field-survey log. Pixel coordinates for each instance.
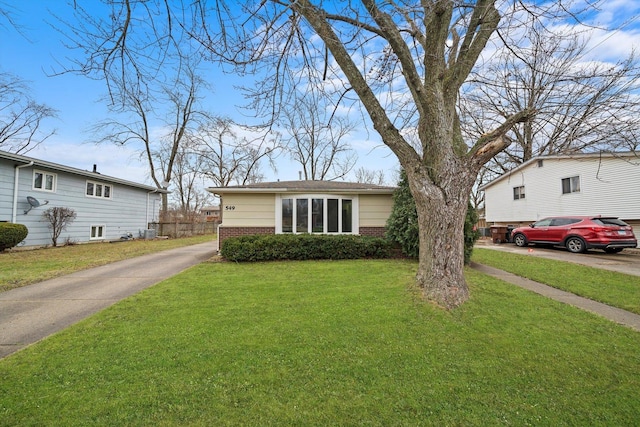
(313, 214)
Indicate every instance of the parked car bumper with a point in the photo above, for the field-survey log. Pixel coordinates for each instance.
(613, 245)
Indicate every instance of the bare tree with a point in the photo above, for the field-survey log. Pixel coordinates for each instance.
(231, 153)
(369, 176)
(404, 63)
(314, 137)
(21, 118)
(581, 105)
(188, 195)
(58, 219)
(158, 132)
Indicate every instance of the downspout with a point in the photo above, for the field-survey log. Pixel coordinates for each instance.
(220, 224)
(15, 190)
(147, 211)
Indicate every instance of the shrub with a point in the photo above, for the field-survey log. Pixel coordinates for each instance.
(11, 234)
(58, 219)
(471, 233)
(402, 224)
(272, 247)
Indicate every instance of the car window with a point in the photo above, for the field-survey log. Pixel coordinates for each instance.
(558, 222)
(609, 222)
(543, 223)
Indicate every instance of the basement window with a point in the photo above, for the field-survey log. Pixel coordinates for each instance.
(97, 232)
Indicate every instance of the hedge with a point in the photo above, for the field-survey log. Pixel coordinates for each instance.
(272, 247)
(11, 234)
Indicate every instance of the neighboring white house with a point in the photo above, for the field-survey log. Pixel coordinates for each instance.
(326, 207)
(605, 184)
(106, 207)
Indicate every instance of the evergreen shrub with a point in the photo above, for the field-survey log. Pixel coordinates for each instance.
(11, 234)
(273, 247)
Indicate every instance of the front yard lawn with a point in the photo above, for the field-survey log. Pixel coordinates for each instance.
(326, 343)
(616, 289)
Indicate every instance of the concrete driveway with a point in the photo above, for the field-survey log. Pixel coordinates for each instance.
(627, 261)
(33, 312)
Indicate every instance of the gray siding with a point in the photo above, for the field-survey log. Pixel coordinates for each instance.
(127, 211)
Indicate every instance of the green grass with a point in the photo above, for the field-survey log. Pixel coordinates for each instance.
(616, 289)
(24, 267)
(326, 343)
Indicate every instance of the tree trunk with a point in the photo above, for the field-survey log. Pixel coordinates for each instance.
(441, 216)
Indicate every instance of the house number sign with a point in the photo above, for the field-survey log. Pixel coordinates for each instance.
(229, 208)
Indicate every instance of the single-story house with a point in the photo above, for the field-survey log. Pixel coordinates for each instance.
(106, 207)
(303, 206)
(605, 184)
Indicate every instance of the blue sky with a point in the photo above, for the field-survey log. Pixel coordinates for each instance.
(39, 52)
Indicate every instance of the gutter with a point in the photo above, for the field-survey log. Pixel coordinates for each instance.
(15, 190)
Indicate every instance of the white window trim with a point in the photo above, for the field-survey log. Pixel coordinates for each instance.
(521, 193)
(570, 187)
(94, 189)
(104, 231)
(44, 180)
(355, 214)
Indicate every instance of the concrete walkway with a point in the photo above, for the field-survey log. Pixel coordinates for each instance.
(615, 314)
(33, 312)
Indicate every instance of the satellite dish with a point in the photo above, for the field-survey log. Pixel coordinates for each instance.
(34, 203)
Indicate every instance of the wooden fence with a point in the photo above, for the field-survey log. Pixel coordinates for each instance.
(183, 229)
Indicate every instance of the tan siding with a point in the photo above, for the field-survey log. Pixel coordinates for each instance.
(248, 210)
(375, 209)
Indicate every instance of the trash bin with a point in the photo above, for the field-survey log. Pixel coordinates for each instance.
(510, 229)
(498, 234)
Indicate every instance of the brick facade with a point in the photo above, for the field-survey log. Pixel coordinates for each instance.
(226, 232)
(372, 231)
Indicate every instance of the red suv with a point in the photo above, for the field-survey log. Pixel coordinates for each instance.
(578, 233)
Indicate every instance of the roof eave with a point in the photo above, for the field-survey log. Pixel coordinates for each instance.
(228, 190)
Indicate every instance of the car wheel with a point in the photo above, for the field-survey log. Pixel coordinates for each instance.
(520, 240)
(613, 250)
(575, 245)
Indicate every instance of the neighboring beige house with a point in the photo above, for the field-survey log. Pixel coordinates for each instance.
(211, 213)
(605, 184)
(323, 207)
